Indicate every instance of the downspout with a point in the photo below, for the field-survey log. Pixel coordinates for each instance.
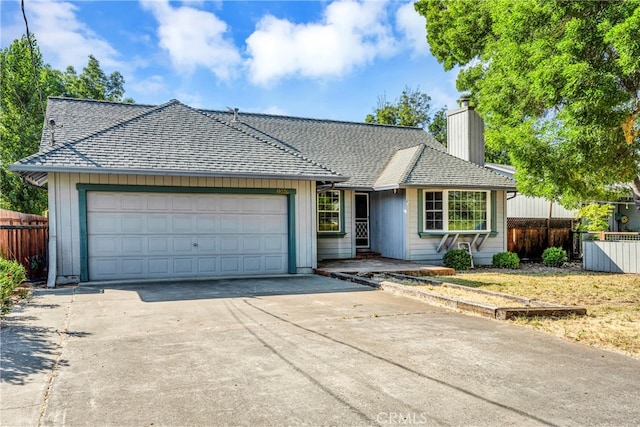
(53, 245)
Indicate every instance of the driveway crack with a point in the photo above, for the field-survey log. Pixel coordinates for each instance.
(56, 364)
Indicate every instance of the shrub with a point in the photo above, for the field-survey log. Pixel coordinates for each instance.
(506, 260)
(554, 257)
(11, 275)
(458, 259)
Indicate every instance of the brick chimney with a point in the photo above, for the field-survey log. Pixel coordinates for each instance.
(465, 133)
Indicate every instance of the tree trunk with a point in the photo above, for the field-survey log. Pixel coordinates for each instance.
(635, 187)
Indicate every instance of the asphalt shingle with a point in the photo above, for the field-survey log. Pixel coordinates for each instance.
(177, 139)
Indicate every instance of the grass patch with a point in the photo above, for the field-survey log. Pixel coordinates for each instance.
(612, 301)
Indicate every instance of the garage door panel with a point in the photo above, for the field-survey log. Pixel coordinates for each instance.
(182, 203)
(105, 245)
(133, 266)
(252, 264)
(206, 224)
(230, 265)
(207, 265)
(182, 245)
(275, 244)
(104, 223)
(207, 204)
(158, 224)
(275, 263)
(183, 265)
(229, 244)
(252, 244)
(207, 244)
(229, 224)
(229, 204)
(132, 223)
(106, 268)
(274, 224)
(182, 224)
(158, 266)
(158, 202)
(134, 245)
(158, 245)
(131, 202)
(185, 235)
(104, 202)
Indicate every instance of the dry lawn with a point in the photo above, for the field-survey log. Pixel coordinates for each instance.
(612, 301)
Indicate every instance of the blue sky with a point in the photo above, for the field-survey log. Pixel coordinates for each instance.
(329, 59)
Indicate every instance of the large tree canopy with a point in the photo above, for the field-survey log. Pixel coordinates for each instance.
(557, 82)
(22, 75)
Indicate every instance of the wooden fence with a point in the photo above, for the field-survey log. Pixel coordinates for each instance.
(24, 238)
(529, 237)
(613, 252)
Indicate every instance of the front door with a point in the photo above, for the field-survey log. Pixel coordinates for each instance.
(362, 220)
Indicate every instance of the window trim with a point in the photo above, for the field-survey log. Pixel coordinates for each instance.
(492, 211)
(331, 234)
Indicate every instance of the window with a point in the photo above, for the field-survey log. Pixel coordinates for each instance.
(456, 210)
(433, 210)
(329, 211)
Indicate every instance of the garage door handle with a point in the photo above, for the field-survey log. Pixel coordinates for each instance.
(195, 244)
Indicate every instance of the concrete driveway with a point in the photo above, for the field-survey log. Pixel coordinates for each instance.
(293, 351)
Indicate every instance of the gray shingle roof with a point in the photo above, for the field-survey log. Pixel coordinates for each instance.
(174, 138)
(177, 139)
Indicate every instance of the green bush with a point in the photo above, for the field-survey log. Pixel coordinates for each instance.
(506, 260)
(554, 257)
(11, 275)
(458, 259)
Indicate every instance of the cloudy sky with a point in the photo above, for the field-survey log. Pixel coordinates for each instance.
(329, 59)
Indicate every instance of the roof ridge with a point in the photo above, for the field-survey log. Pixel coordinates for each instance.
(273, 143)
(313, 119)
(101, 101)
(414, 161)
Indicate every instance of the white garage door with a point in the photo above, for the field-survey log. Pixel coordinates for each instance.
(149, 235)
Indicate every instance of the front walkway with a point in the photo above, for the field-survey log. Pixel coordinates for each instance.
(379, 265)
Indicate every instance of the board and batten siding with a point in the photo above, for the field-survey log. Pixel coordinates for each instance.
(425, 249)
(388, 223)
(65, 222)
(343, 247)
(611, 256)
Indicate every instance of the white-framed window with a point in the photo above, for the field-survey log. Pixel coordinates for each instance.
(456, 210)
(329, 211)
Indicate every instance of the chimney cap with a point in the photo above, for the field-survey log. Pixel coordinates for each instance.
(464, 100)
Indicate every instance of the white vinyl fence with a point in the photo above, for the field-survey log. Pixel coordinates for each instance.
(615, 256)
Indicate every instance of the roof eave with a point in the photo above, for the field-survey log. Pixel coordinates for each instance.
(29, 171)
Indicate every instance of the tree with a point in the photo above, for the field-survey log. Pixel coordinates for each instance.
(21, 119)
(557, 83)
(438, 125)
(93, 83)
(411, 109)
(24, 77)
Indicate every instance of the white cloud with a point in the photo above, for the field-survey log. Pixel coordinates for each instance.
(194, 38)
(64, 40)
(413, 27)
(350, 34)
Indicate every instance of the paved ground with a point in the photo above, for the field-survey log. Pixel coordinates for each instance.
(293, 351)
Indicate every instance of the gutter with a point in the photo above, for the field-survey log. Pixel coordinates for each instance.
(25, 170)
